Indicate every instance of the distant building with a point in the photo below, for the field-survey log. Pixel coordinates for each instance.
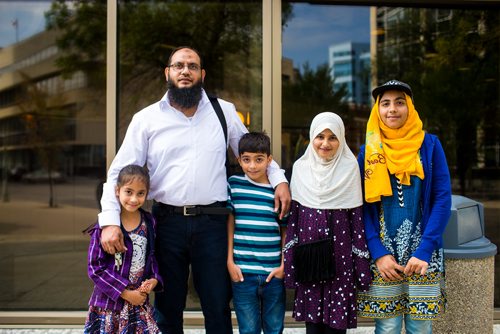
(288, 72)
(350, 66)
(41, 108)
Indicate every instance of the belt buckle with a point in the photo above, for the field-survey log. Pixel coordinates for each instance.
(185, 208)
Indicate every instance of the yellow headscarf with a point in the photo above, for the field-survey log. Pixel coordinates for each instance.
(394, 151)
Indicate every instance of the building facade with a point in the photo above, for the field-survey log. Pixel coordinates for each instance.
(48, 120)
(350, 66)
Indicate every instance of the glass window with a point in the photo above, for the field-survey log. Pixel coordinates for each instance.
(52, 105)
(450, 57)
(228, 36)
(52, 143)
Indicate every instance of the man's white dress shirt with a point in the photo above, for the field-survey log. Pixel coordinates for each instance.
(185, 156)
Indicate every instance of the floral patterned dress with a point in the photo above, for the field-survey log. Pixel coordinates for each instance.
(131, 319)
(422, 297)
(333, 301)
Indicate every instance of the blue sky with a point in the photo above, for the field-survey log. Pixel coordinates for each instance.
(29, 15)
(313, 28)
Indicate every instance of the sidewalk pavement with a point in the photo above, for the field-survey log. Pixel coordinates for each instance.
(363, 330)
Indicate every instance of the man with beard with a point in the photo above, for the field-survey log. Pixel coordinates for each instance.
(181, 141)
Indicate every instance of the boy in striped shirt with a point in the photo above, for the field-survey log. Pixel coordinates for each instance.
(255, 239)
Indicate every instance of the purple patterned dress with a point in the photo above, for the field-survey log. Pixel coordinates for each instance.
(331, 302)
(131, 319)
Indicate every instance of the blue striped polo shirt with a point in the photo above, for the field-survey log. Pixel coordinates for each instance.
(257, 239)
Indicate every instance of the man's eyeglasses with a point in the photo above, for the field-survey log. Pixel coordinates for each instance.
(180, 66)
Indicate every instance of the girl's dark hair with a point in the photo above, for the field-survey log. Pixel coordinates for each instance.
(184, 47)
(255, 142)
(133, 172)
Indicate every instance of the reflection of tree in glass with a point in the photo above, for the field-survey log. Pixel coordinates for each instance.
(310, 93)
(227, 34)
(453, 68)
(47, 122)
(305, 95)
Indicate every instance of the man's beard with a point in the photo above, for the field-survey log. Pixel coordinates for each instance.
(184, 97)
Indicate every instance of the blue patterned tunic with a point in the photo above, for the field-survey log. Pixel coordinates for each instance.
(421, 297)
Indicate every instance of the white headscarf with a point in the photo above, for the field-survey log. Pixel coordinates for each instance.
(321, 184)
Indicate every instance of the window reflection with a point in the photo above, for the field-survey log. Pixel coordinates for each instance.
(450, 56)
(52, 110)
(52, 137)
(326, 67)
(228, 36)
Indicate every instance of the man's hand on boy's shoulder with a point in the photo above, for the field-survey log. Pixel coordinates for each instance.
(282, 199)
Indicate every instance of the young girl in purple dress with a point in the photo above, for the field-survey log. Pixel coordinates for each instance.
(123, 282)
(326, 257)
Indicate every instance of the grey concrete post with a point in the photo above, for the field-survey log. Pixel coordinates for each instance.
(469, 291)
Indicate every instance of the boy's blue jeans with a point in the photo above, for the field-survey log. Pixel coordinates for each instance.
(259, 306)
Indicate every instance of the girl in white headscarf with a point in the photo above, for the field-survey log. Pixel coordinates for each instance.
(326, 257)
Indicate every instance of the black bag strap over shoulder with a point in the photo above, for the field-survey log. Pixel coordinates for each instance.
(220, 115)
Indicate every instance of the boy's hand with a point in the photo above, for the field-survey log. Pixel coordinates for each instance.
(148, 285)
(134, 297)
(234, 272)
(277, 272)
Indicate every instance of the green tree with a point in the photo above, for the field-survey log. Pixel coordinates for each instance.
(453, 67)
(310, 93)
(461, 81)
(227, 35)
(83, 38)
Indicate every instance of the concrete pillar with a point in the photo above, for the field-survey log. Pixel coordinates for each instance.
(469, 291)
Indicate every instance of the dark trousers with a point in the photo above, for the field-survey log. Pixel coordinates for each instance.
(312, 328)
(199, 242)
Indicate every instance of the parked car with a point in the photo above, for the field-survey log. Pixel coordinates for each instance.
(16, 173)
(43, 176)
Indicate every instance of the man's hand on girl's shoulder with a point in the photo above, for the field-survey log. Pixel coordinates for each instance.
(112, 239)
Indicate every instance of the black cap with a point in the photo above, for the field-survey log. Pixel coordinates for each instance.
(392, 85)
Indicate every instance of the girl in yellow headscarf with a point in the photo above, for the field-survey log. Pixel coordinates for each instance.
(407, 195)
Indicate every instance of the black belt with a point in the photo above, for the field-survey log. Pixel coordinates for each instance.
(216, 208)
